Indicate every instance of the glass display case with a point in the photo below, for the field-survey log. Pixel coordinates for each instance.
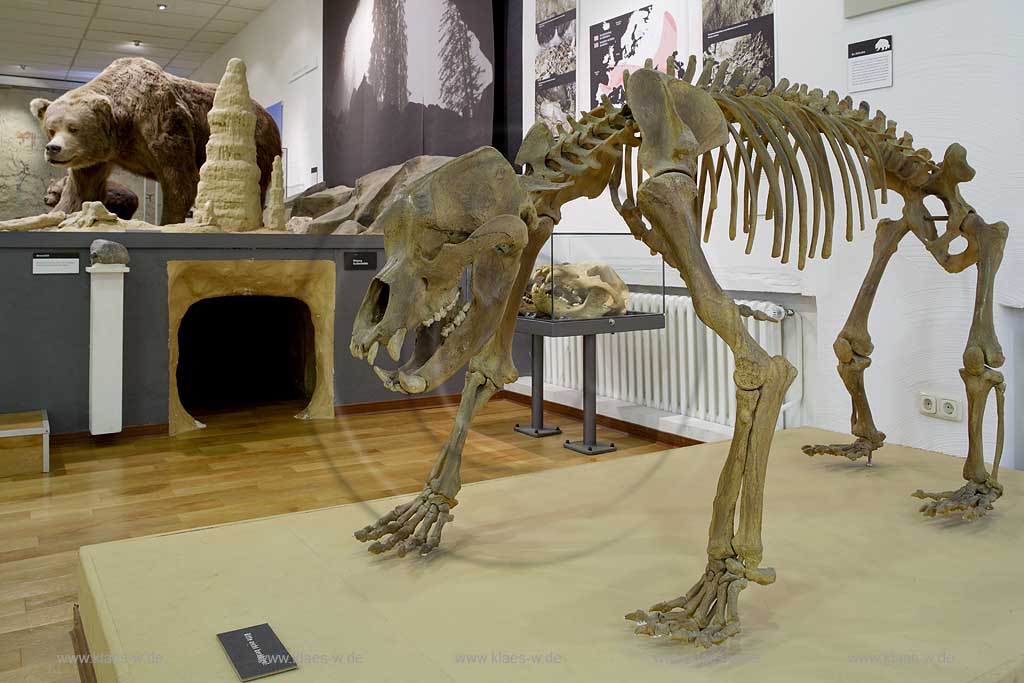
(587, 284)
(592, 283)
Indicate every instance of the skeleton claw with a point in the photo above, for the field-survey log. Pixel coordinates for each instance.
(973, 499)
(709, 613)
(860, 448)
(412, 525)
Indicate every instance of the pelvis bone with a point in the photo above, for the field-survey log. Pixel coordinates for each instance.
(578, 291)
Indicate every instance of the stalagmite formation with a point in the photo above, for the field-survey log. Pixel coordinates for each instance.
(229, 181)
(273, 215)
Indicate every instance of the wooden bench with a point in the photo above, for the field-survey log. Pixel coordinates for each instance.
(19, 456)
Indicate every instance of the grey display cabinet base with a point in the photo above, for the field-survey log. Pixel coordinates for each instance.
(536, 429)
(538, 432)
(590, 449)
(588, 329)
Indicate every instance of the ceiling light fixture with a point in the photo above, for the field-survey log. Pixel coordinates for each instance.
(23, 67)
(137, 43)
(162, 7)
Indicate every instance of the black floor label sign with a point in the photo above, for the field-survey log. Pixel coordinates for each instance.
(256, 652)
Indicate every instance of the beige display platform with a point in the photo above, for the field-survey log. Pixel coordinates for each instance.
(536, 573)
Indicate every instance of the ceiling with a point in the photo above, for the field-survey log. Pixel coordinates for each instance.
(76, 39)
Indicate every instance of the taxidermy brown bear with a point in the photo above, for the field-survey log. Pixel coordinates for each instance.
(148, 122)
(119, 200)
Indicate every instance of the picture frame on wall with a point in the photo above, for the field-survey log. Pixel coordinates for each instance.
(855, 8)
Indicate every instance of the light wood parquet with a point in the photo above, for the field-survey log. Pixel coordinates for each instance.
(245, 465)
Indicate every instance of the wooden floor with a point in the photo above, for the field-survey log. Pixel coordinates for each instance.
(244, 465)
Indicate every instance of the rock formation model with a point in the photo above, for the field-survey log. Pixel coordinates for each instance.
(351, 211)
(671, 142)
(273, 215)
(229, 182)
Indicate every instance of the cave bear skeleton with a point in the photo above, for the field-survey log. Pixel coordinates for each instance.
(670, 144)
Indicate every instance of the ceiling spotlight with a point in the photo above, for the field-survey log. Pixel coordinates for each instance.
(137, 43)
(162, 7)
(23, 67)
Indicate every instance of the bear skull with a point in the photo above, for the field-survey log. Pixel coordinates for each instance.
(452, 244)
(579, 291)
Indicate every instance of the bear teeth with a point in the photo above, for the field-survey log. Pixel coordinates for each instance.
(458, 320)
(452, 299)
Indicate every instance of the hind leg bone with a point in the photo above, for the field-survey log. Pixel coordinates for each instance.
(982, 355)
(853, 348)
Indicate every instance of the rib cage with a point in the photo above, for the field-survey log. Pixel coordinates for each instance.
(785, 141)
(773, 130)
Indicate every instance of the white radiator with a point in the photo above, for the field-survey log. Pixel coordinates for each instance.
(683, 369)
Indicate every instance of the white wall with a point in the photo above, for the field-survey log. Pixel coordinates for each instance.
(955, 70)
(286, 39)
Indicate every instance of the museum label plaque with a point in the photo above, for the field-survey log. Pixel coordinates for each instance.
(53, 263)
(256, 652)
(360, 260)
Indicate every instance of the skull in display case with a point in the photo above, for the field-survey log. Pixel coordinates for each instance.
(578, 291)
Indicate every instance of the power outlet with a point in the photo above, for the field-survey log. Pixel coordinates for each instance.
(950, 409)
(938, 407)
(927, 404)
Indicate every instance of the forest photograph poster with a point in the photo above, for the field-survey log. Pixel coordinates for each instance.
(404, 78)
(742, 31)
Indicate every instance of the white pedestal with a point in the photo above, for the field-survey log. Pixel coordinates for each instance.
(106, 347)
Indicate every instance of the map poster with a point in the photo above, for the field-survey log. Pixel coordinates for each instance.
(624, 43)
(742, 31)
(555, 61)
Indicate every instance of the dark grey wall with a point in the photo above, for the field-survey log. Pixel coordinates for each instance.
(44, 319)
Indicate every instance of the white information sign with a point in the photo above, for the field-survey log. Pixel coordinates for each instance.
(870, 64)
(55, 263)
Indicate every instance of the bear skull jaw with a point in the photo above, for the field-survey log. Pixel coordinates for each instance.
(439, 339)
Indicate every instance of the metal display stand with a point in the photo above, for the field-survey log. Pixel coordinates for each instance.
(538, 328)
(537, 428)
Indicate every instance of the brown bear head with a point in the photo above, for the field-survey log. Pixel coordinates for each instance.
(79, 127)
(54, 191)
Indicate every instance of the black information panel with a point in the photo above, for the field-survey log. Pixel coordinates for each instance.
(256, 652)
(360, 260)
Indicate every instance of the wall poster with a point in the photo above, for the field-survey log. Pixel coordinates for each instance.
(742, 31)
(855, 8)
(555, 61)
(624, 43)
(404, 78)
